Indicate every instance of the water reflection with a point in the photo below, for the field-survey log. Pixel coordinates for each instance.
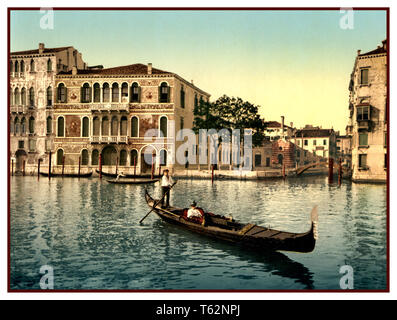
(89, 232)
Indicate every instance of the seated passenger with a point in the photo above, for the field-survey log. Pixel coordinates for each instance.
(195, 212)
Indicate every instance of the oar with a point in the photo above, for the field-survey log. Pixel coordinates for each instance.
(157, 202)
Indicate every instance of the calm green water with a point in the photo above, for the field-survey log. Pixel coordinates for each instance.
(88, 231)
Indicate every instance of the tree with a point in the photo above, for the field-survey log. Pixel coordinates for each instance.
(230, 113)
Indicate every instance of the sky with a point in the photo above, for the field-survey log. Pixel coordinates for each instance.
(295, 64)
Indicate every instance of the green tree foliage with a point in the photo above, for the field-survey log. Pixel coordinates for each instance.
(230, 113)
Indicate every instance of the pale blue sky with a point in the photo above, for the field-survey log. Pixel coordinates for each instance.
(292, 63)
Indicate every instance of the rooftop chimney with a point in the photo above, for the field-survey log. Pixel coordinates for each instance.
(192, 82)
(282, 126)
(291, 124)
(74, 70)
(384, 44)
(149, 68)
(41, 48)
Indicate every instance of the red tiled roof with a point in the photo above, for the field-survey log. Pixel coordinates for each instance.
(378, 50)
(36, 51)
(137, 68)
(314, 133)
(274, 124)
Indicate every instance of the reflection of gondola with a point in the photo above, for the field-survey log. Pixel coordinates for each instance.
(133, 181)
(248, 235)
(275, 262)
(113, 175)
(70, 175)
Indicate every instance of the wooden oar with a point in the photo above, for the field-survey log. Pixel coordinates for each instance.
(156, 203)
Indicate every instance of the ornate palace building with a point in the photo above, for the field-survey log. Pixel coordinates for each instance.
(109, 111)
(368, 115)
(32, 83)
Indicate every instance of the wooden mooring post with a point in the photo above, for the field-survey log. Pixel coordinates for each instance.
(283, 170)
(330, 170)
(23, 167)
(340, 172)
(152, 176)
(49, 165)
(63, 165)
(12, 167)
(212, 174)
(38, 168)
(100, 166)
(117, 165)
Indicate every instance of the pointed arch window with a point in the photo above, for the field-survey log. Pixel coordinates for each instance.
(31, 125)
(49, 97)
(23, 96)
(16, 67)
(49, 125)
(32, 66)
(31, 97)
(23, 126)
(16, 96)
(49, 65)
(22, 66)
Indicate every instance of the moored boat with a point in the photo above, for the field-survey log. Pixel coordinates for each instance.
(132, 181)
(126, 175)
(250, 235)
(68, 175)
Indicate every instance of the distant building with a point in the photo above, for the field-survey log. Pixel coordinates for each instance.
(343, 149)
(314, 144)
(32, 83)
(276, 130)
(368, 115)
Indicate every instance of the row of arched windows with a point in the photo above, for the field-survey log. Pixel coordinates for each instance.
(23, 97)
(19, 66)
(108, 157)
(106, 126)
(21, 126)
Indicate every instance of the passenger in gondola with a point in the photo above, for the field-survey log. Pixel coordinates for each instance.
(120, 175)
(166, 183)
(195, 212)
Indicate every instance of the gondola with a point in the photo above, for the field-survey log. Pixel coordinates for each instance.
(249, 235)
(133, 181)
(125, 175)
(68, 175)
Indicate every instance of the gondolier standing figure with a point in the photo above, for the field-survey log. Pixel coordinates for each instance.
(166, 183)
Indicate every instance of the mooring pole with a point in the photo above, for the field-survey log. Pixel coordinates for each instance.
(212, 174)
(330, 170)
(283, 170)
(79, 166)
(63, 165)
(340, 172)
(100, 166)
(49, 165)
(117, 165)
(23, 167)
(152, 176)
(38, 168)
(12, 167)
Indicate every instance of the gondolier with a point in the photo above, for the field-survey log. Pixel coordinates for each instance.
(166, 182)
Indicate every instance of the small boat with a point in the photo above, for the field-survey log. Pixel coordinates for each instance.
(125, 175)
(68, 175)
(132, 181)
(248, 235)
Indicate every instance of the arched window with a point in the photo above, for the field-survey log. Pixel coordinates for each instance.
(61, 93)
(11, 67)
(23, 96)
(16, 66)
(31, 97)
(115, 92)
(84, 157)
(59, 157)
(134, 127)
(22, 66)
(95, 157)
(61, 127)
(164, 93)
(163, 157)
(124, 92)
(86, 93)
(95, 126)
(135, 93)
(163, 126)
(134, 158)
(49, 96)
(16, 125)
(114, 126)
(16, 96)
(106, 92)
(49, 65)
(105, 126)
(97, 92)
(86, 127)
(31, 125)
(123, 126)
(182, 97)
(49, 125)
(23, 126)
(32, 69)
(123, 158)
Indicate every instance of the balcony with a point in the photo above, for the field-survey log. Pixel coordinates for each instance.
(109, 107)
(19, 109)
(109, 139)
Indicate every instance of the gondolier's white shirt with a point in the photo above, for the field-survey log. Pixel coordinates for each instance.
(194, 213)
(166, 181)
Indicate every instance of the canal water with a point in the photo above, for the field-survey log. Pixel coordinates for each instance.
(88, 232)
